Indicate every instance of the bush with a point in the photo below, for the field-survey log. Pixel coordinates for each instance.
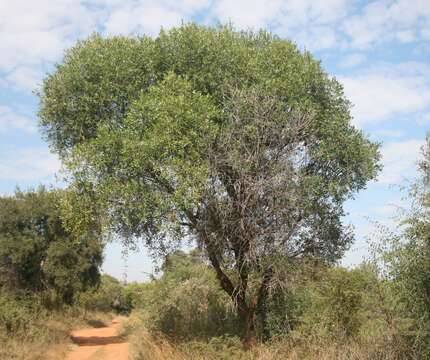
(335, 306)
(14, 314)
(405, 265)
(187, 302)
(331, 313)
(110, 295)
(284, 311)
(38, 251)
(134, 294)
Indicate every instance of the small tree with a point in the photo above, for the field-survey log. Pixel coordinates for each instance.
(406, 261)
(38, 253)
(234, 139)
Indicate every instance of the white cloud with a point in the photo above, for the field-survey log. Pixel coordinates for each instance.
(302, 20)
(34, 32)
(320, 12)
(247, 13)
(10, 120)
(425, 33)
(34, 35)
(146, 19)
(316, 38)
(148, 16)
(390, 133)
(23, 78)
(400, 161)
(406, 36)
(386, 90)
(385, 20)
(424, 119)
(352, 60)
(312, 24)
(36, 164)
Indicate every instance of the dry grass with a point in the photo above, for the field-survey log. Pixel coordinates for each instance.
(47, 338)
(145, 346)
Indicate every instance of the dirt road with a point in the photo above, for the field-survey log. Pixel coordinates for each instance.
(101, 343)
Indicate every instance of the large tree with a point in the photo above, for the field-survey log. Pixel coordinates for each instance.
(234, 139)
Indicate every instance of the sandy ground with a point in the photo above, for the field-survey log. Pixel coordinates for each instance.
(99, 343)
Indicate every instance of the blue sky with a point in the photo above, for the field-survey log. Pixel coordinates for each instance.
(379, 50)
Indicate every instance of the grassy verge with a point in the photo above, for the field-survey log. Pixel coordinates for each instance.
(145, 346)
(47, 337)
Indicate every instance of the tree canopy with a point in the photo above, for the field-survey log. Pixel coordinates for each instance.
(234, 139)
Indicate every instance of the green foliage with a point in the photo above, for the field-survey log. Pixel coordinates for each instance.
(110, 295)
(133, 295)
(143, 113)
(14, 313)
(406, 262)
(237, 139)
(327, 302)
(284, 312)
(46, 263)
(186, 302)
(330, 313)
(96, 88)
(38, 254)
(337, 302)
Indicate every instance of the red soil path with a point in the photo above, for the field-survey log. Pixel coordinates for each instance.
(99, 344)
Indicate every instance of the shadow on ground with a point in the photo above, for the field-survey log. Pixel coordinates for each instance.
(96, 323)
(97, 340)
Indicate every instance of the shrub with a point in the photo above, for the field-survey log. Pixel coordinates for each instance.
(335, 304)
(284, 311)
(38, 251)
(187, 302)
(14, 314)
(109, 296)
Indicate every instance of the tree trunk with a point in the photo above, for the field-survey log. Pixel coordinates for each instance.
(261, 316)
(247, 318)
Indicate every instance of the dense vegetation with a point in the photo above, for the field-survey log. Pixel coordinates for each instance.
(49, 274)
(234, 144)
(378, 310)
(39, 254)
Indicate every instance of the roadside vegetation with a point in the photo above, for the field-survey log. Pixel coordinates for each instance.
(240, 147)
(378, 310)
(49, 277)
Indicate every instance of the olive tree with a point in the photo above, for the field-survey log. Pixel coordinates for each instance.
(236, 140)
